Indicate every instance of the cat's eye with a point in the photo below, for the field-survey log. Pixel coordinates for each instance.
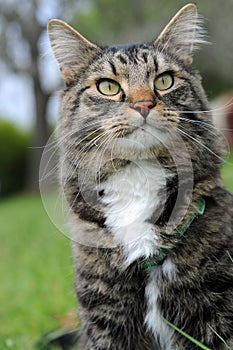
(164, 81)
(108, 87)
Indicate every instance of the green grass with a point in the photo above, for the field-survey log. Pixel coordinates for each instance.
(227, 173)
(36, 271)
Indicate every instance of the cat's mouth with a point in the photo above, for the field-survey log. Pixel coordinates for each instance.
(151, 131)
(144, 137)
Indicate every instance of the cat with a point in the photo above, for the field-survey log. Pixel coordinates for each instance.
(151, 222)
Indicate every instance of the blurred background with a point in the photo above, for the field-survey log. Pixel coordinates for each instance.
(36, 266)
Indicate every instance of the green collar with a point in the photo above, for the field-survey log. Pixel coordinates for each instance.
(178, 233)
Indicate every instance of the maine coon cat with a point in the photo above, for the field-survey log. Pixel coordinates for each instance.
(151, 223)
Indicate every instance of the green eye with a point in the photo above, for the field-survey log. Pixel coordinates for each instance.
(108, 87)
(164, 82)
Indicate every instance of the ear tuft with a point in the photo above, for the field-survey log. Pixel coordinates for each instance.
(71, 50)
(183, 34)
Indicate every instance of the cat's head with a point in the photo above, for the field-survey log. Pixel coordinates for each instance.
(132, 97)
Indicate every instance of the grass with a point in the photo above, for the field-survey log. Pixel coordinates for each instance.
(227, 173)
(196, 342)
(36, 271)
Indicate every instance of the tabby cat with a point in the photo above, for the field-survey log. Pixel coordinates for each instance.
(139, 162)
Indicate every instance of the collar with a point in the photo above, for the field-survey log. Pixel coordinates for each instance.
(178, 233)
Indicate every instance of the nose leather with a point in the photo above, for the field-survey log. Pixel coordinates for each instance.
(143, 106)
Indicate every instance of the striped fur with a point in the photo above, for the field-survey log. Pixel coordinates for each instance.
(130, 175)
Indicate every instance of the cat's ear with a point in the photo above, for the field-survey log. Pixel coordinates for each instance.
(71, 50)
(183, 33)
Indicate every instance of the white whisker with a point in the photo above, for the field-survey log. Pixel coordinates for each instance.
(200, 143)
(77, 165)
(221, 108)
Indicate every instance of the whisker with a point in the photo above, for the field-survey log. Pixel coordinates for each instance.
(215, 131)
(96, 152)
(221, 108)
(87, 145)
(200, 143)
(80, 152)
(83, 149)
(55, 145)
(199, 122)
(107, 142)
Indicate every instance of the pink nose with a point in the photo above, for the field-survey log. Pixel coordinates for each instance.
(143, 106)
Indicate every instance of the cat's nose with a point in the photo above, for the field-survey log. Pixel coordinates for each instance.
(143, 106)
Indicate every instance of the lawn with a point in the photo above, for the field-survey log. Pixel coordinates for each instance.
(36, 271)
(227, 173)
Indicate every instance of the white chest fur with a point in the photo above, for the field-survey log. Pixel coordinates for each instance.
(131, 196)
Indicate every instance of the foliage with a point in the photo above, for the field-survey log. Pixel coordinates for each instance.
(13, 158)
(119, 17)
(21, 31)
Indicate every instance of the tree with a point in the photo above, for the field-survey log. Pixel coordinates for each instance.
(23, 27)
(20, 35)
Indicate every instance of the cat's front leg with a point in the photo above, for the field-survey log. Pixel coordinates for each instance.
(111, 301)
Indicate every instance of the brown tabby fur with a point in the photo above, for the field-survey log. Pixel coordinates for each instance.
(123, 306)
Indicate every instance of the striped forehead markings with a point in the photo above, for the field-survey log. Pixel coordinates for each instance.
(113, 67)
(136, 56)
(122, 59)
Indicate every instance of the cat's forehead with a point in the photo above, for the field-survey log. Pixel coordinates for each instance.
(127, 58)
(132, 53)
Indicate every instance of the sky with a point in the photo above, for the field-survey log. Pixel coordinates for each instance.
(16, 101)
(16, 98)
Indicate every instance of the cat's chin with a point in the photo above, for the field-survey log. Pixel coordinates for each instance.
(143, 138)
